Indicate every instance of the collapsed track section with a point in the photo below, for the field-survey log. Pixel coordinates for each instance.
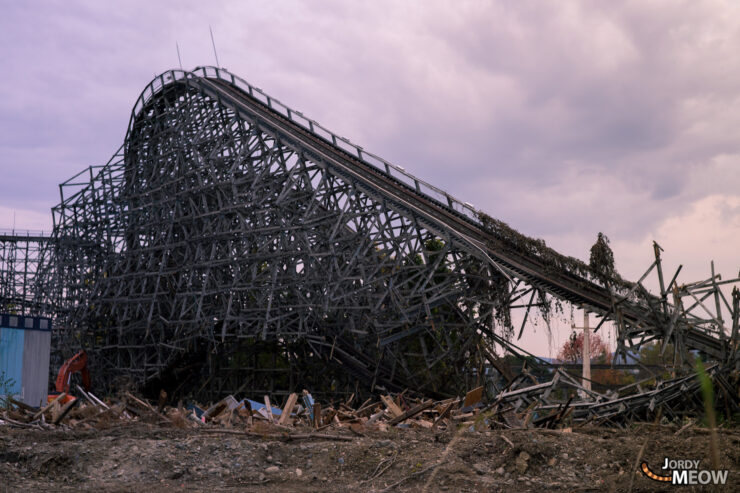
(235, 242)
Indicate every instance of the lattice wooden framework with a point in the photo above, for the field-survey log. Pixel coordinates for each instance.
(232, 243)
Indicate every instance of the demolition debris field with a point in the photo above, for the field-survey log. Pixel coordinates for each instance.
(144, 457)
(394, 443)
(291, 256)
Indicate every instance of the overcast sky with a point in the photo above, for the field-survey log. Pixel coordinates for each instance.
(561, 118)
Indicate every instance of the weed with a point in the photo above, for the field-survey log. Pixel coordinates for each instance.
(707, 390)
(6, 386)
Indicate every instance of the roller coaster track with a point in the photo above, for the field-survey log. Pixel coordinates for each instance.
(231, 224)
(235, 93)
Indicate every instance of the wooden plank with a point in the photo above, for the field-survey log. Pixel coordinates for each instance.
(392, 406)
(288, 409)
(473, 397)
(86, 396)
(22, 405)
(48, 406)
(375, 417)
(56, 409)
(67, 407)
(317, 415)
(443, 414)
(411, 412)
(143, 404)
(268, 410)
(100, 403)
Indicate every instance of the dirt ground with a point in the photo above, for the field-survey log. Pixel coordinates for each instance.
(138, 457)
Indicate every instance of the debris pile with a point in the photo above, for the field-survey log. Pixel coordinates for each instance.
(560, 403)
(88, 411)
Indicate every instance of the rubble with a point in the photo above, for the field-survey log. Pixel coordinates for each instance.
(559, 404)
(390, 442)
(409, 316)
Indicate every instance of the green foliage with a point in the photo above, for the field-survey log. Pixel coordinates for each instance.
(434, 248)
(434, 245)
(602, 258)
(707, 392)
(6, 384)
(11, 308)
(650, 355)
(507, 239)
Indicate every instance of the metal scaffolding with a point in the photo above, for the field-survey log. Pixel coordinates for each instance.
(232, 243)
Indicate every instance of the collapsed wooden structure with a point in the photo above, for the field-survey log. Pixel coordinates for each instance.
(233, 244)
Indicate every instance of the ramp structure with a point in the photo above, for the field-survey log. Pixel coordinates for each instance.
(233, 242)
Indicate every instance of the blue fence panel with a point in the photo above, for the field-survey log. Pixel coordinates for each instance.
(11, 360)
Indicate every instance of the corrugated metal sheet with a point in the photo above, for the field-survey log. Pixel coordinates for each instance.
(11, 360)
(24, 357)
(36, 351)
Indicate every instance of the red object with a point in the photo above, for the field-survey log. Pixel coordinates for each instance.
(77, 363)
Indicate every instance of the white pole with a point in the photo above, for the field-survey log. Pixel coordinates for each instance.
(586, 353)
(178, 54)
(214, 47)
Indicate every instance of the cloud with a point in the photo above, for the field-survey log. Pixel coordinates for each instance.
(708, 230)
(563, 119)
(24, 219)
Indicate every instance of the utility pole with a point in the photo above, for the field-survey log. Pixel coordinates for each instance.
(586, 381)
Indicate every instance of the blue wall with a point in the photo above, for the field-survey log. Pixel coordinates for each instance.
(24, 357)
(11, 359)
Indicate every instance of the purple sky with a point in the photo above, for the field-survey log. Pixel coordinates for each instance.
(561, 118)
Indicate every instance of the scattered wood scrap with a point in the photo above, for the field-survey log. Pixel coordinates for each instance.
(558, 404)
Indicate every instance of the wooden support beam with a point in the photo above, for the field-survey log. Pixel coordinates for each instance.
(288, 409)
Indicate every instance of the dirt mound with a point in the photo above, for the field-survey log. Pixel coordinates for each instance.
(142, 457)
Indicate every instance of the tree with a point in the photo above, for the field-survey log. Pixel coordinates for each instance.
(572, 352)
(650, 355)
(602, 258)
(572, 349)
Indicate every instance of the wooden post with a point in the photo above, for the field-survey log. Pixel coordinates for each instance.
(285, 415)
(268, 408)
(317, 415)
